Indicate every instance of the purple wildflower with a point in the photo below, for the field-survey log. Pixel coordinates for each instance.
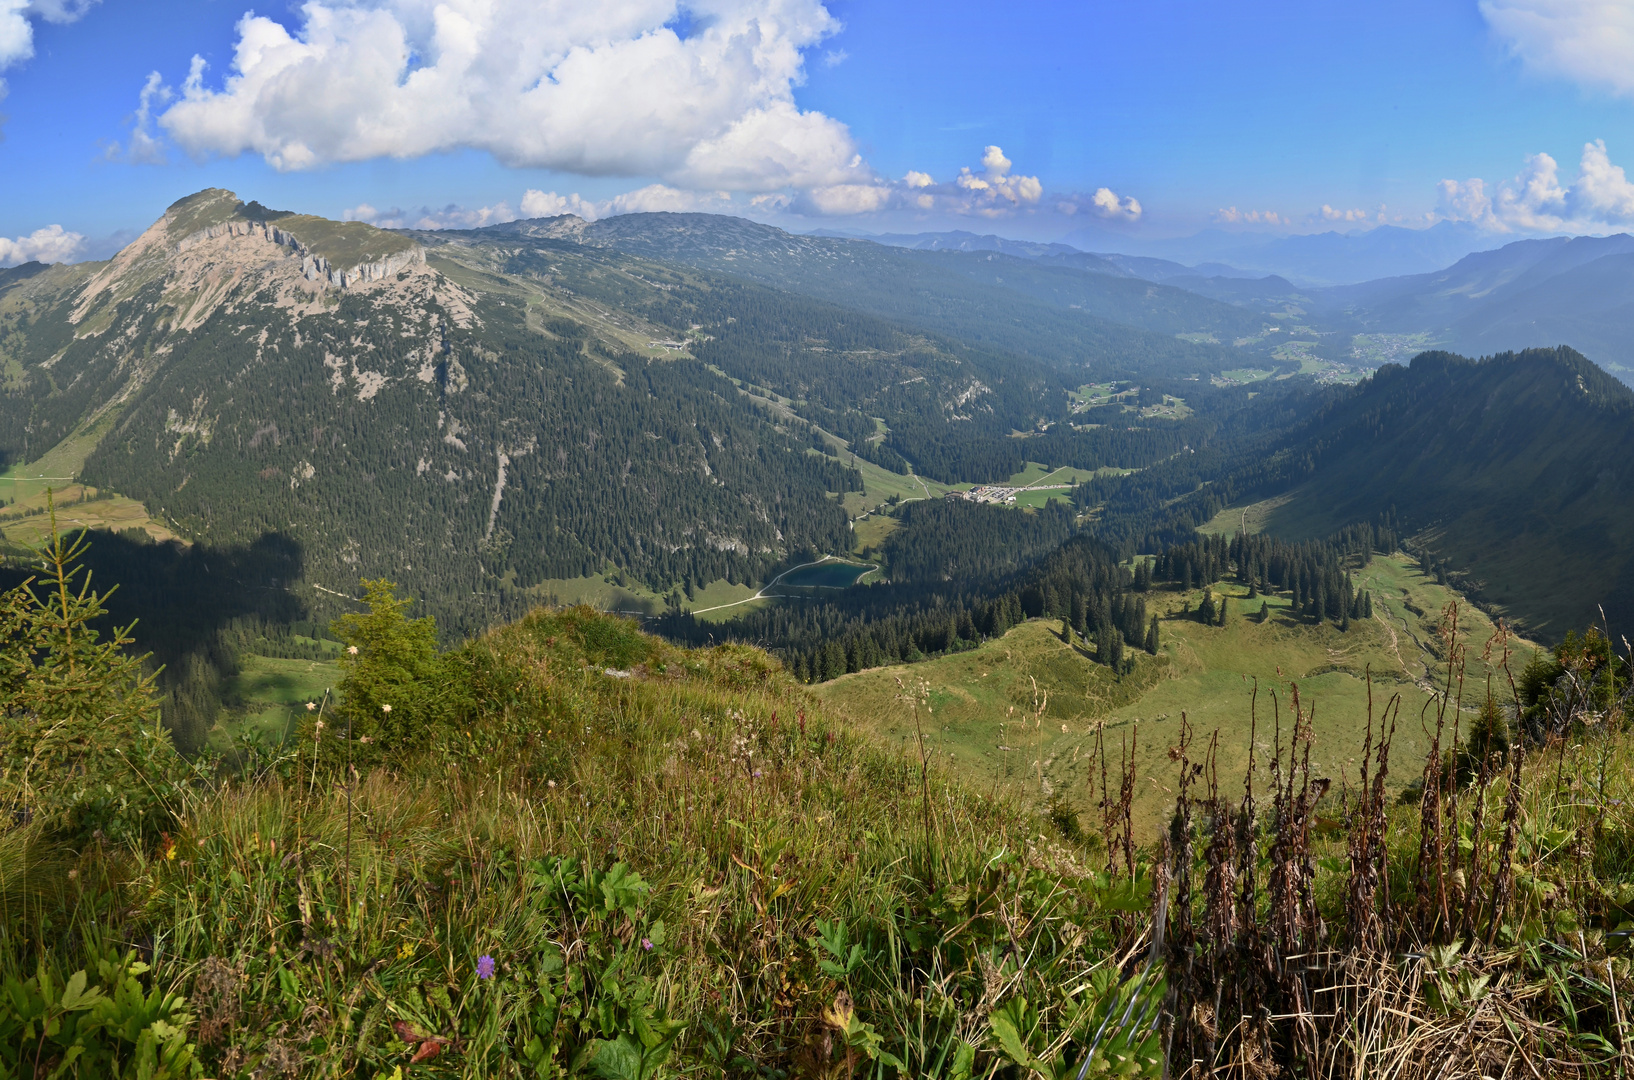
(485, 966)
(757, 774)
(646, 944)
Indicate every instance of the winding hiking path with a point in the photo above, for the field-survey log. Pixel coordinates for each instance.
(1395, 642)
(1426, 681)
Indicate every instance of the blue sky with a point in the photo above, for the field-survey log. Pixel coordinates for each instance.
(1151, 118)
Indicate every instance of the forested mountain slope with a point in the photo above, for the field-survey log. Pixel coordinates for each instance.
(1512, 470)
(480, 414)
(410, 424)
(1121, 326)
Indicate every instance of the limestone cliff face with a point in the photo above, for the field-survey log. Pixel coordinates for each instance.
(313, 267)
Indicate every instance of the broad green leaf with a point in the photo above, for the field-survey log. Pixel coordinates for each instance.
(1007, 1024)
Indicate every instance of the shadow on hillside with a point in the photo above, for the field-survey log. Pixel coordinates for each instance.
(182, 599)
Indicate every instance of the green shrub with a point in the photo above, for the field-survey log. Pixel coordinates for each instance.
(395, 695)
(104, 1030)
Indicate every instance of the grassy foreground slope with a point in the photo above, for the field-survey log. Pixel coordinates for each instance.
(1025, 713)
(601, 855)
(568, 849)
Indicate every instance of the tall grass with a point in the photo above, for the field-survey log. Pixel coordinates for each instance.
(612, 857)
(671, 859)
(1476, 926)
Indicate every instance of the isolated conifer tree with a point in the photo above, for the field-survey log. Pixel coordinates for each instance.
(1488, 736)
(1151, 637)
(1225, 606)
(1111, 649)
(1265, 610)
(81, 746)
(394, 688)
(1206, 611)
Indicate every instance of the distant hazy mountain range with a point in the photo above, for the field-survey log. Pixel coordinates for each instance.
(1576, 291)
(1317, 260)
(1330, 258)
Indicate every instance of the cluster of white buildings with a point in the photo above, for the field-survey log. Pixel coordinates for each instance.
(997, 493)
(989, 493)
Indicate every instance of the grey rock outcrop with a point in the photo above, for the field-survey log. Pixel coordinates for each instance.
(313, 267)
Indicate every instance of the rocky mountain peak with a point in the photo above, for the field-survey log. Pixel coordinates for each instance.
(209, 245)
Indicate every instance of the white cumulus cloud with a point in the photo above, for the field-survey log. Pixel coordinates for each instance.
(995, 191)
(1538, 200)
(17, 31)
(1106, 203)
(604, 88)
(543, 204)
(844, 200)
(655, 198)
(145, 147)
(1602, 191)
(452, 216)
(50, 244)
(1331, 214)
(1102, 202)
(1230, 215)
(1587, 41)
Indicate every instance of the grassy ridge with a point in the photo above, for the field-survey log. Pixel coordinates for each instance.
(986, 701)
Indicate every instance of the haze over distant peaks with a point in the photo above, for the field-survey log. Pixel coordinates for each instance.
(1329, 258)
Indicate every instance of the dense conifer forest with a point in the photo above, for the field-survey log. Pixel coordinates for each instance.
(1095, 589)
